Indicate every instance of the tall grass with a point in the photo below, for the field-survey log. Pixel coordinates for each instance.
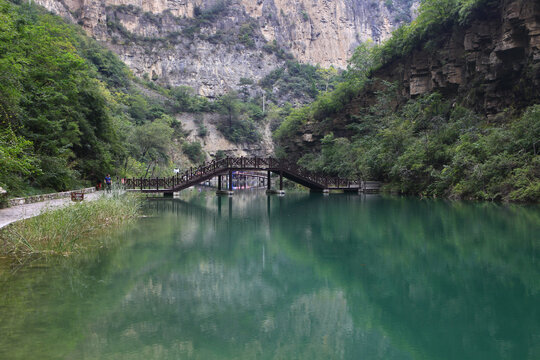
(70, 229)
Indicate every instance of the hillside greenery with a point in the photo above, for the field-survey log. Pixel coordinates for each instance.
(302, 82)
(239, 118)
(70, 112)
(432, 148)
(434, 17)
(428, 145)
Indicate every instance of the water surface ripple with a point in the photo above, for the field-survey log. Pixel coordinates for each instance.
(295, 277)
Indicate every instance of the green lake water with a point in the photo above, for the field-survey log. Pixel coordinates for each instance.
(295, 277)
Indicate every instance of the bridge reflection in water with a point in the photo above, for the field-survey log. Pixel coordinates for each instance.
(298, 277)
(226, 167)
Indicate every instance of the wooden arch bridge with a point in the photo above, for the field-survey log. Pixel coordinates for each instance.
(228, 166)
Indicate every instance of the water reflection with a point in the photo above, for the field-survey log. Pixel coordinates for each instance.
(301, 276)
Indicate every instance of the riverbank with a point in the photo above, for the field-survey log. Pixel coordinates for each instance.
(68, 229)
(29, 209)
(45, 197)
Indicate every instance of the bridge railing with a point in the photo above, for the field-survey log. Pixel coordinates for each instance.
(221, 165)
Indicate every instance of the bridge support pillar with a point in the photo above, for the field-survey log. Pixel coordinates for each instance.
(168, 194)
(228, 191)
(320, 191)
(275, 192)
(268, 181)
(281, 180)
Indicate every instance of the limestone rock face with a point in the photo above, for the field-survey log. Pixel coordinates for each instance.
(214, 140)
(210, 45)
(493, 63)
(326, 32)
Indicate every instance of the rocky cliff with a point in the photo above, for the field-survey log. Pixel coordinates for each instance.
(490, 65)
(210, 45)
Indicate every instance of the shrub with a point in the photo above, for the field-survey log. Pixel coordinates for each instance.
(70, 229)
(194, 151)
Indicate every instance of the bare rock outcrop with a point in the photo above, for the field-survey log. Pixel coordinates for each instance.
(210, 45)
(492, 63)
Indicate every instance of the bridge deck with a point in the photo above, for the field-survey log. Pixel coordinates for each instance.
(208, 170)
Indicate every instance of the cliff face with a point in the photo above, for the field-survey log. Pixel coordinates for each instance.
(490, 65)
(210, 45)
(326, 32)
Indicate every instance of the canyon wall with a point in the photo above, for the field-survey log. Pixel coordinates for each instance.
(210, 45)
(490, 65)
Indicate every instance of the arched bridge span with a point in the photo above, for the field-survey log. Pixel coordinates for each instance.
(227, 166)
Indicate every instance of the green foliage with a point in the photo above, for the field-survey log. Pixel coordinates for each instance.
(299, 81)
(330, 103)
(184, 99)
(239, 119)
(16, 159)
(212, 12)
(361, 62)
(151, 143)
(246, 34)
(328, 75)
(71, 104)
(428, 146)
(274, 48)
(220, 154)
(434, 18)
(431, 148)
(204, 17)
(110, 68)
(336, 158)
(202, 130)
(194, 151)
(292, 123)
(54, 97)
(275, 115)
(245, 81)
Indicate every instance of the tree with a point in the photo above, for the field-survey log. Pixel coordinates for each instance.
(153, 142)
(229, 105)
(16, 158)
(327, 75)
(194, 151)
(361, 62)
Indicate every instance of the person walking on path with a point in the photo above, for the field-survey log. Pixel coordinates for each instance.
(108, 182)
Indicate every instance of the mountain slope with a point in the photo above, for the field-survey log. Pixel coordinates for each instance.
(449, 107)
(211, 45)
(71, 111)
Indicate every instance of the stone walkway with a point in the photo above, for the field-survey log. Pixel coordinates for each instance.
(15, 213)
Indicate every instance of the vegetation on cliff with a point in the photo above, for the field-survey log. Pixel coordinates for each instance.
(433, 147)
(70, 111)
(430, 145)
(434, 17)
